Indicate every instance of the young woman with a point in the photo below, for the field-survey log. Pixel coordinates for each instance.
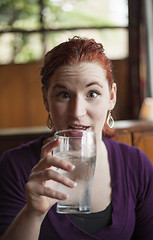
(79, 93)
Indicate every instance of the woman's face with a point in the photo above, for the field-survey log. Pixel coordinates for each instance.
(78, 97)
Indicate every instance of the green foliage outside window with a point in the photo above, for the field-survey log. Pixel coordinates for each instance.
(29, 27)
(19, 14)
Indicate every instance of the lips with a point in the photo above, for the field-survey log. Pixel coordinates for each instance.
(78, 127)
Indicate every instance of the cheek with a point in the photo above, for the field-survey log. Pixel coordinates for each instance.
(99, 111)
(99, 116)
(57, 111)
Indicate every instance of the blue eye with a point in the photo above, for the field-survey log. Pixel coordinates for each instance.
(93, 94)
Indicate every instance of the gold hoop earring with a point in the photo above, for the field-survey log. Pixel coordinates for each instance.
(49, 121)
(110, 120)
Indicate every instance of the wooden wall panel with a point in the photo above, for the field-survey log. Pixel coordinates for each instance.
(21, 103)
(121, 75)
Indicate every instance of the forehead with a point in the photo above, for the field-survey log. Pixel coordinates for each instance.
(82, 71)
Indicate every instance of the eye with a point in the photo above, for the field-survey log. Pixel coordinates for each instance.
(64, 95)
(93, 94)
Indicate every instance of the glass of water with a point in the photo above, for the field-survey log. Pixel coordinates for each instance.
(78, 147)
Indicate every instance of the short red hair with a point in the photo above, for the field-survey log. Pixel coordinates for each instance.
(75, 50)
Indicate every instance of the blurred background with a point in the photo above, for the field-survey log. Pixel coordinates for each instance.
(29, 28)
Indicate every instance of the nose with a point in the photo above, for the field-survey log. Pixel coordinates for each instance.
(78, 107)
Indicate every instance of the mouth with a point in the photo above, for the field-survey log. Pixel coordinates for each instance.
(78, 127)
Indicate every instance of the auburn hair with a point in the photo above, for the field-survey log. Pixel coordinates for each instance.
(75, 50)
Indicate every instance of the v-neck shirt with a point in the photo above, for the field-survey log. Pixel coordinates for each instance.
(132, 194)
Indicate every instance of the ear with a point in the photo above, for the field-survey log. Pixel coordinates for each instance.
(113, 93)
(45, 98)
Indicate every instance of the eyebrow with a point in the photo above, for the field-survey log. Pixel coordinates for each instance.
(58, 85)
(94, 83)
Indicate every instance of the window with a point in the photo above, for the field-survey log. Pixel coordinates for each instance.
(29, 28)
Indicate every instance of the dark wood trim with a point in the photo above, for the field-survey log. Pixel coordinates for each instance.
(134, 59)
(43, 30)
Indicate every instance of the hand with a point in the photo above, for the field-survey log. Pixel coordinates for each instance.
(41, 190)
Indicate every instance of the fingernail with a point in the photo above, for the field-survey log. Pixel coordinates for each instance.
(73, 167)
(67, 196)
(75, 184)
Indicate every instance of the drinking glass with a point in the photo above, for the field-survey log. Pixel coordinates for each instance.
(78, 147)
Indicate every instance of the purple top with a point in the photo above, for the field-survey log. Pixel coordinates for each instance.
(132, 194)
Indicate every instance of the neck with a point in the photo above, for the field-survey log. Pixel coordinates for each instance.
(101, 151)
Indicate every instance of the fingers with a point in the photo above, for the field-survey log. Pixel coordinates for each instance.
(42, 175)
(53, 194)
(44, 180)
(50, 174)
(39, 185)
(48, 147)
(50, 161)
(44, 191)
